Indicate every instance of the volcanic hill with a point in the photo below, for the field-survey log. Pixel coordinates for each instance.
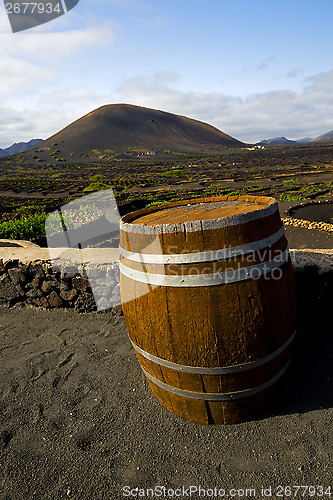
(17, 147)
(124, 127)
(324, 137)
(275, 141)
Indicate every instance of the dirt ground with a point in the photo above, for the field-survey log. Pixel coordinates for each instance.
(78, 419)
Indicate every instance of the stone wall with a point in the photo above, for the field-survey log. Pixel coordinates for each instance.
(39, 284)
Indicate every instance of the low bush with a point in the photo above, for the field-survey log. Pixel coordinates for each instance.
(176, 172)
(30, 224)
(156, 203)
(96, 186)
(26, 228)
(96, 178)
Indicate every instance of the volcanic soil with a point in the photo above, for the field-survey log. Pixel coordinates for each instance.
(77, 417)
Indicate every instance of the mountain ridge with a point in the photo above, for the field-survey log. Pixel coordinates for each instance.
(323, 137)
(275, 141)
(126, 126)
(17, 147)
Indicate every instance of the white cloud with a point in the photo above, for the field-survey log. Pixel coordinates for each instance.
(47, 46)
(52, 112)
(20, 78)
(261, 115)
(32, 62)
(22, 124)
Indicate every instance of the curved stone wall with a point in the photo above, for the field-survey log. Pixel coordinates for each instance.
(38, 284)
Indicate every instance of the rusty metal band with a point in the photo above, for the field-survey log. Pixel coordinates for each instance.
(225, 370)
(227, 396)
(200, 225)
(209, 279)
(207, 256)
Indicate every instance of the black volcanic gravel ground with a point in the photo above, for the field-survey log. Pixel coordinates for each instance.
(78, 419)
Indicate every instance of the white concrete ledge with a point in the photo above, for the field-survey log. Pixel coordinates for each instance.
(28, 252)
(98, 256)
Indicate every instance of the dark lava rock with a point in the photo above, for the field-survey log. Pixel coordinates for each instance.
(85, 303)
(69, 276)
(68, 295)
(47, 286)
(10, 264)
(55, 300)
(40, 302)
(20, 290)
(37, 271)
(65, 284)
(16, 275)
(8, 291)
(34, 293)
(80, 283)
(36, 282)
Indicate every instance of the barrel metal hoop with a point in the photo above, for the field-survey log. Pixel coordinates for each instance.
(209, 279)
(200, 225)
(207, 256)
(226, 370)
(218, 396)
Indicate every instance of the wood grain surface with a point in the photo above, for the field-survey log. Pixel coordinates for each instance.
(210, 326)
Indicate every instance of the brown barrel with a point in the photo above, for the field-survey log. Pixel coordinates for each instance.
(208, 295)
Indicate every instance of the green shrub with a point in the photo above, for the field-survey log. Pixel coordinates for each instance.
(96, 186)
(31, 224)
(303, 193)
(96, 178)
(290, 181)
(122, 181)
(156, 203)
(175, 172)
(26, 228)
(29, 210)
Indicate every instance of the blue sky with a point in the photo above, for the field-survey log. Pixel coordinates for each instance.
(253, 69)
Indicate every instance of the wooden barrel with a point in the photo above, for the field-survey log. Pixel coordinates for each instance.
(208, 295)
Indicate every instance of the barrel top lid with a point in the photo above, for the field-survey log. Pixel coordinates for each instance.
(200, 214)
(197, 211)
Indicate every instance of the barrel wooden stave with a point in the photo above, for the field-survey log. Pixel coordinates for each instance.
(216, 413)
(226, 383)
(224, 339)
(165, 322)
